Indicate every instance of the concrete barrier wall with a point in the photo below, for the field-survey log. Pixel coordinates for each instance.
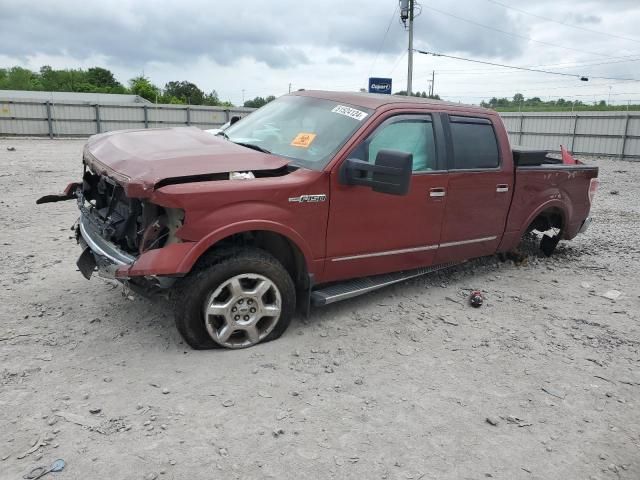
(615, 134)
(76, 119)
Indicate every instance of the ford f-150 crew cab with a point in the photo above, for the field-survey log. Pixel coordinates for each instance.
(315, 197)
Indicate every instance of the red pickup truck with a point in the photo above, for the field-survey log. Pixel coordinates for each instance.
(315, 197)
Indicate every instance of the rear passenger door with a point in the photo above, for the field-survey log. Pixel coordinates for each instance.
(479, 190)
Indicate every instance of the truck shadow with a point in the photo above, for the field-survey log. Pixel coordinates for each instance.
(467, 276)
(150, 320)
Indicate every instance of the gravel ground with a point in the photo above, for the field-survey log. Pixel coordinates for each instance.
(404, 383)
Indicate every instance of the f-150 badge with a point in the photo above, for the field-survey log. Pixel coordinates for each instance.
(321, 197)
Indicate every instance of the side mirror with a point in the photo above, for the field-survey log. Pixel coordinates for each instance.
(234, 119)
(391, 172)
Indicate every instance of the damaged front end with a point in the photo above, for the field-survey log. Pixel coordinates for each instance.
(114, 230)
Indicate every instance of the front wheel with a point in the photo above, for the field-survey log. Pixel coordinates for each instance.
(235, 300)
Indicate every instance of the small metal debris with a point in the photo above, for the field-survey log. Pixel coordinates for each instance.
(476, 299)
(39, 472)
(554, 393)
(492, 421)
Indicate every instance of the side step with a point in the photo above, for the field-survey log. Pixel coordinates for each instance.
(353, 288)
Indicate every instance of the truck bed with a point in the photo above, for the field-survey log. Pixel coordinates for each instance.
(529, 157)
(555, 187)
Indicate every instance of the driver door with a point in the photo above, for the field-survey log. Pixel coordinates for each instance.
(369, 232)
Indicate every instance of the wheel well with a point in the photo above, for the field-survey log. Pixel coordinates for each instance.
(546, 220)
(283, 249)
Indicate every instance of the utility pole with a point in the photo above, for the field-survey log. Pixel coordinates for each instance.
(406, 14)
(433, 83)
(410, 61)
(289, 88)
(243, 96)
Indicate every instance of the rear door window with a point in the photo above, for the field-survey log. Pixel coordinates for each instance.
(474, 143)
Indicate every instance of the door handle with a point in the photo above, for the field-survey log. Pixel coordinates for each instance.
(502, 188)
(437, 192)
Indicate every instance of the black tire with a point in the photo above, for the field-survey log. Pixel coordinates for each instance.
(192, 291)
(548, 244)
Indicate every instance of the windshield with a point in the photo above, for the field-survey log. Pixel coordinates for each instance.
(308, 130)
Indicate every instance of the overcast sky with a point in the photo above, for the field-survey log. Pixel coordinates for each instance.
(261, 46)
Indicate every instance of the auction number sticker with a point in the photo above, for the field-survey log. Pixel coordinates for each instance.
(303, 140)
(350, 112)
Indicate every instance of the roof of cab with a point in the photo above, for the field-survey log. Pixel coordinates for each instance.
(376, 100)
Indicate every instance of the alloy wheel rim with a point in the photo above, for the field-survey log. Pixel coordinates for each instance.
(242, 311)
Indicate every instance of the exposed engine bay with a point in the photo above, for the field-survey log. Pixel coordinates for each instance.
(131, 224)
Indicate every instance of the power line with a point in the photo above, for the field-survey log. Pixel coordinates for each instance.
(537, 90)
(500, 64)
(547, 82)
(384, 38)
(563, 23)
(400, 58)
(564, 74)
(630, 58)
(585, 95)
(516, 34)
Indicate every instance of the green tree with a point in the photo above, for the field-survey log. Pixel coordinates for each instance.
(187, 92)
(48, 78)
(3, 76)
(142, 86)
(518, 98)
(259, 101)
(18, 78)
(211, 98)
(104, 80)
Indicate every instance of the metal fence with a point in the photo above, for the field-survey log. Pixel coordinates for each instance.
(75, 119)
(613, 134)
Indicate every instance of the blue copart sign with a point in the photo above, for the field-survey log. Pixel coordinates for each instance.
(380, 85)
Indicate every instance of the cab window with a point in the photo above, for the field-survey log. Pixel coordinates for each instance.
(412, 133)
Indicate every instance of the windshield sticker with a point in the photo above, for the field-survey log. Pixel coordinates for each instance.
(350, 112)
(303, 140)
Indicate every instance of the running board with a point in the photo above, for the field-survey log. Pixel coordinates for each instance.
(353, 288)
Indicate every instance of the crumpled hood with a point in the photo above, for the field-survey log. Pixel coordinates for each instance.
(139, 159)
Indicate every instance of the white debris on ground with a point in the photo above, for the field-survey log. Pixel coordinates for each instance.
(542, 381)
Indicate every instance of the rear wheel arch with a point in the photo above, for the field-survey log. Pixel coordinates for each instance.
(555, 209)
(549, 218)
(545, 219)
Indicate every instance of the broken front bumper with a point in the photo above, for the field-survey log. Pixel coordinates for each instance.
(155, 269)
(107, 258)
